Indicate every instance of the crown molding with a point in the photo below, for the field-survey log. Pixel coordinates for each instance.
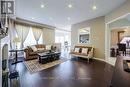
(32, 23)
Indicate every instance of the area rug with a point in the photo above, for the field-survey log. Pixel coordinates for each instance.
(34, 66)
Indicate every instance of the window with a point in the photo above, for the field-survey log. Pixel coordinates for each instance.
(30, 40)
(84, 35)
(126, 40)
(62, 37)
(40, 40)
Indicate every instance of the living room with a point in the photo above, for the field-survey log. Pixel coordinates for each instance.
(66, 43)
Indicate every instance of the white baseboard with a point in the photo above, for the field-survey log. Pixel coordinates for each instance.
(109, 62)
(100, 59)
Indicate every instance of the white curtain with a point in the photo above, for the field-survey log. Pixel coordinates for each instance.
(22, 31)
(37, 33)
(12, 33)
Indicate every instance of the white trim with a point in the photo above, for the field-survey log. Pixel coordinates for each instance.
(100, 59)
(109, 62)
(123, 16)
(107, 38)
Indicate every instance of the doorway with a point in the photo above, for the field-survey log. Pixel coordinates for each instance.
(117, 31)
(63, 37)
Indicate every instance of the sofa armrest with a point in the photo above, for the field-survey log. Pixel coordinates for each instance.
(90, 54)
(26, 53)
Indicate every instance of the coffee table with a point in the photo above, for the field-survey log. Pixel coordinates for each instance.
(48, 57)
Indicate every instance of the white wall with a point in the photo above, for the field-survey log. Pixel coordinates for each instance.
(0, 65)
(114, 36)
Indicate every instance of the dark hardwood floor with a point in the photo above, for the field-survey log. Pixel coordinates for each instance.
(73, 73)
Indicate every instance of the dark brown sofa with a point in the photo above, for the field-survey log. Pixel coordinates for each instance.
(30, 54)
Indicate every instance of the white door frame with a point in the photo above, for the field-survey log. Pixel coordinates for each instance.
(108, 37)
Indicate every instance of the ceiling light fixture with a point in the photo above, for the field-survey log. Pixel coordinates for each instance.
(70, 6)
(42, 6)
(32, 18)
(94, 7)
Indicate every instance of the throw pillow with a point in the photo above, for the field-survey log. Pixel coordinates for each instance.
(48, 47)
(76, 50)
(84, 50)
(33, 48)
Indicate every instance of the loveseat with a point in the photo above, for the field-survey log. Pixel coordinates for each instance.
(83, 51)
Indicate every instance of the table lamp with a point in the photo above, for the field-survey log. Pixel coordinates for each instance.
(16, 40)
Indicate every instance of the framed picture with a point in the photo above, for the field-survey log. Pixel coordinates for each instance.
(84, 35)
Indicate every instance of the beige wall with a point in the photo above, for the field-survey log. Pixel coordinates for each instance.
(114, 38)
(48, 36)
(97, 36)
(114, 35)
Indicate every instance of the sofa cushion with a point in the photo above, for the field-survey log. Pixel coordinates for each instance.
(40, 46)
(34, 48)
(76, 53)
(32, 53)
(83, 54)
(40, 49)
(72, 52)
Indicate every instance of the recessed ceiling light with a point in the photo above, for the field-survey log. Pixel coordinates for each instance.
(42, 6)
(32, 18)
(94, 7)
(70, 6)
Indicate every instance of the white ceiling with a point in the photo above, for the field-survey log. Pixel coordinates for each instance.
(56, 12)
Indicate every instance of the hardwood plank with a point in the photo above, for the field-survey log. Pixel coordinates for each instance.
(73, 73)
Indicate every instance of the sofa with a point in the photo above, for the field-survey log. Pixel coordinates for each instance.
(83, 52)
(31, 52)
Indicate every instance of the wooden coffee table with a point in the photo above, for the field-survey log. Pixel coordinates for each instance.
(48, 57)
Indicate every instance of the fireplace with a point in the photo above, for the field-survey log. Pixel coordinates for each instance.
(4, 49)
(4, 58)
